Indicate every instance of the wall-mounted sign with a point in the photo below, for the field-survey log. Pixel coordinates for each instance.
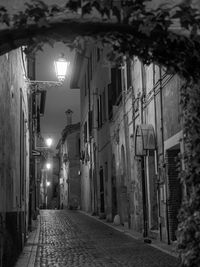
(36, 153)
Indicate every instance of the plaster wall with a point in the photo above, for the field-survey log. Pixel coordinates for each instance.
(11, 82)
(100, 82)
(85, 189)
(71, 180)
(65, 184)
(14, 180)
(150, 101)
(89, 184)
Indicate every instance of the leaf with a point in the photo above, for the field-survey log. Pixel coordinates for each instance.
(42, 22)
(3, 9)
(73, 5)
(116, 12)
(106, 12)
(96, 5)
(55, 9)
(87, 8)
(4, 16)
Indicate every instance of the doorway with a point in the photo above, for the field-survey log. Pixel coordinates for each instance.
(114, 189)
(174, 189)
(102, 204)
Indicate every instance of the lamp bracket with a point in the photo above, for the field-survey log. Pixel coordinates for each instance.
(43, 85)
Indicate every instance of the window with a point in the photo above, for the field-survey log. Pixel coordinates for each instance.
(85, 84)
(85, 132)
(114, 90)
(98, 54)
(104, 106)
(109, 101)
(99, 111)
(143, 72)
(90, 115)
(78, 144)
(128, 71)
(31, 67)
(88, 74)
(116, 83)
(91, 66)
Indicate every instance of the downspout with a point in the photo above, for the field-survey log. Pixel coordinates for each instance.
(68, 181)
(144, 198)
(156, 157)
(31, 95)
(163, 157)
(126, 132)
(89, 59)
(133, 109)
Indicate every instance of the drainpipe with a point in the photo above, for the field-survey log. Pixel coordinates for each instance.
(144, 197)
(126, 132)
(163, 157)
(156, 157)
(91, 177)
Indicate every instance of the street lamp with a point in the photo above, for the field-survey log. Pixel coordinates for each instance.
(61, 66)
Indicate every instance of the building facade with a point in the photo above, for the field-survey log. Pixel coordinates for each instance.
(21, 108)
(131, 138)
(69, 156)
(14, 156)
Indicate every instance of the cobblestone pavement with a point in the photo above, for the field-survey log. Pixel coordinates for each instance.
(71, 238)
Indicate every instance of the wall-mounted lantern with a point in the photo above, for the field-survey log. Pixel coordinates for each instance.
(144, 139)
(61, 65)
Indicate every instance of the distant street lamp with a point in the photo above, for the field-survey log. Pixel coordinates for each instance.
(49, 141)
(48, 166)
(48, 183)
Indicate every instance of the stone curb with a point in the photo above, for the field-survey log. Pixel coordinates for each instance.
(28, 255)
(156, 244)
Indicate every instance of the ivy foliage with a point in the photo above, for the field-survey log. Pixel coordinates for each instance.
(167, 35)
(129, 27)
(189, 216)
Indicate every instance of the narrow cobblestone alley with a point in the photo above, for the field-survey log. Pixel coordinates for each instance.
(71, 238)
